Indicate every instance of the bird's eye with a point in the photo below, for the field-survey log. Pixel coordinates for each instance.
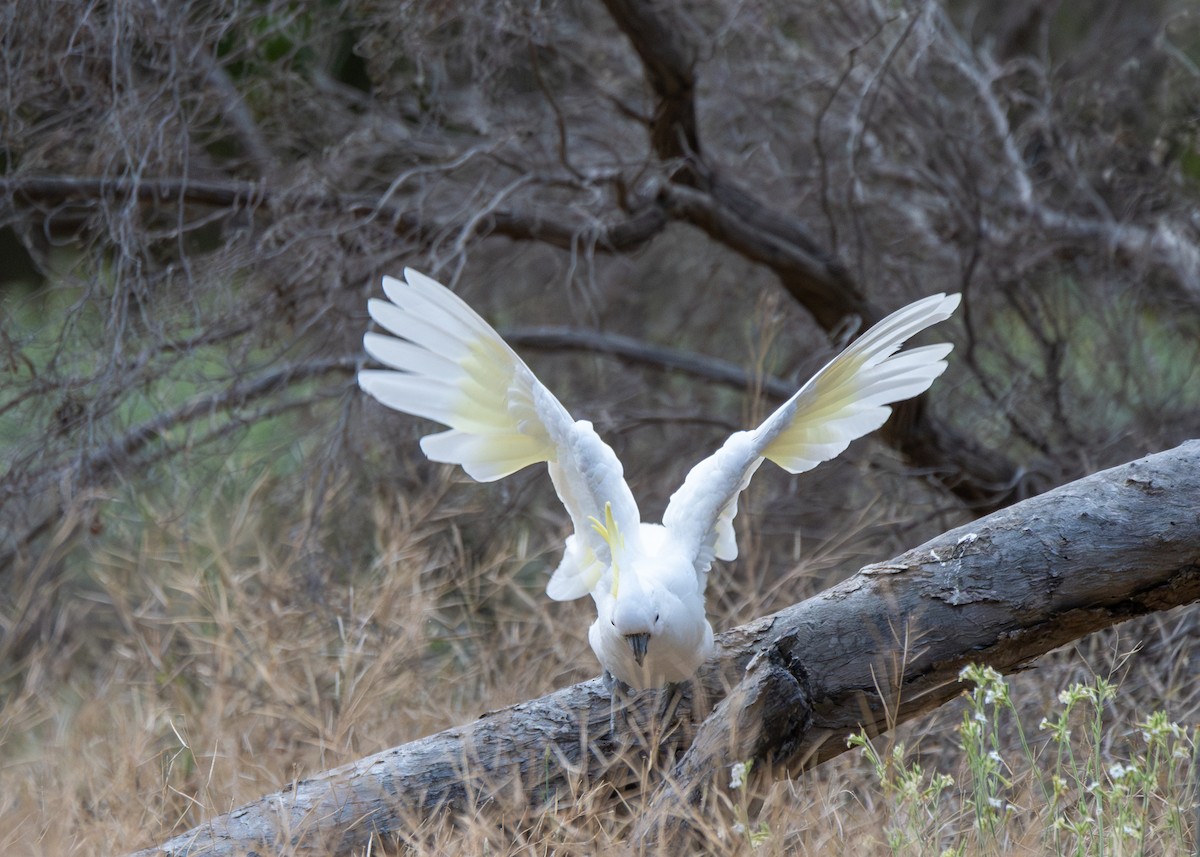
(614, 622)
(655, 617)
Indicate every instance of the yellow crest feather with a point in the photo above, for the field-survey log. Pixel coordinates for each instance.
(612, 537)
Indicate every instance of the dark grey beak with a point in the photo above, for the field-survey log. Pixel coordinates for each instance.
(639, 644)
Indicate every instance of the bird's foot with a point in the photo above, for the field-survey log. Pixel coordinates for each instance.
(671, 696)
(616, 689)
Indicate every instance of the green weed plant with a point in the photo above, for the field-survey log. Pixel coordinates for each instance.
(1080, 786)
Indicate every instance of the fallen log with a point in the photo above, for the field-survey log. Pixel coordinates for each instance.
(878, 649)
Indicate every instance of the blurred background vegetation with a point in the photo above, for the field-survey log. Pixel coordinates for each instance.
(222, 566)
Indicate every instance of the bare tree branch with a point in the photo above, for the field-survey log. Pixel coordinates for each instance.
(637, 351)
(668, 60)
(1002, 591)
(731, 215)
(700, 195)
(257, 197)
(696, 192)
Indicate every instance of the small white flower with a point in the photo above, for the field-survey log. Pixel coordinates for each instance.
(995, 803)
(737, 776)
(739, 828)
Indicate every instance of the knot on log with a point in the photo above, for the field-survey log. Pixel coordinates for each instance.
(777, 686)
(763, 719)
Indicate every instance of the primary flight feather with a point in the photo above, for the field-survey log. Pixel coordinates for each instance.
(448, 365)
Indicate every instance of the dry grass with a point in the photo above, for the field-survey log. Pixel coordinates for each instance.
(200, 660)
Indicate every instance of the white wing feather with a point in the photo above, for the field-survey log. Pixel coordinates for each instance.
(448, 365)
(848, 398)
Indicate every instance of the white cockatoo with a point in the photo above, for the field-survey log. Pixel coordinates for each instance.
(648, 580)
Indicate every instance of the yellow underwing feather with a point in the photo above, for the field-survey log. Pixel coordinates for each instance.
(445, 363)
(848, 398)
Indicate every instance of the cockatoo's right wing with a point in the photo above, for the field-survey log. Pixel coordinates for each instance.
(450, 366)
(845, 400)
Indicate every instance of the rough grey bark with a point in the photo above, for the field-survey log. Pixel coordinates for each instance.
(762, 720)
(1001, 591)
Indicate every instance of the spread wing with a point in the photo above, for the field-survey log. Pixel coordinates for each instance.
(847, 399)
(448, 365)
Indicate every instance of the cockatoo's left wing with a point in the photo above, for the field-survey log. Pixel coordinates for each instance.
(453, 368)
(847, 399)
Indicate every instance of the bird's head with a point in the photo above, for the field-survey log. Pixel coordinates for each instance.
(638, 618)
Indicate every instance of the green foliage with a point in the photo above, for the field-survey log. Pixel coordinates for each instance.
(912, 796)
(1085, 786)
(279, 34)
